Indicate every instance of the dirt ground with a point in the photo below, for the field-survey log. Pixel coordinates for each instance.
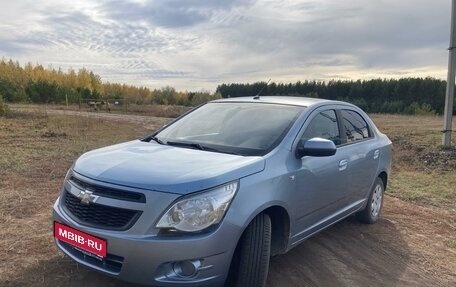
(412, 245)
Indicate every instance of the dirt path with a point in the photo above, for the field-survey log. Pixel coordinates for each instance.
(148, 122)
(405, 248)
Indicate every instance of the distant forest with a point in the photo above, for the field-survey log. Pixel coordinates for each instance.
(407, 95)
(36, 84)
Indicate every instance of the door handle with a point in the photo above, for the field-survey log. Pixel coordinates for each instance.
(343, 164)
(376, 153)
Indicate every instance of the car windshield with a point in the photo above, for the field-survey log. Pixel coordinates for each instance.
(249, 129)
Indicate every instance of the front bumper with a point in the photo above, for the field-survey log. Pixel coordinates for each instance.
(151, 259)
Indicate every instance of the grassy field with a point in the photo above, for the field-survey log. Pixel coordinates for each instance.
(165, 111)
(38, 148)
(423, 172)
(36, 151)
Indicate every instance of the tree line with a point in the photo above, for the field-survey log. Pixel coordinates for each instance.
(406, 95)
(36, 84)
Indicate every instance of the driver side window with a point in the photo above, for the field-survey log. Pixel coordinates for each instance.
(324, 125)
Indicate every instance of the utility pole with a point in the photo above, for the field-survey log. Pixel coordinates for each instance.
(448, 114)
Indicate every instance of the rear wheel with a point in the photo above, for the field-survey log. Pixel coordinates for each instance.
(251, 262)
(371, 213)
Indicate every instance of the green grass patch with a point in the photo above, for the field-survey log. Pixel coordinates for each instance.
(433, 188)
(451, 243)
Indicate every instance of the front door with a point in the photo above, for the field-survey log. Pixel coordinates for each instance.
(321, 182)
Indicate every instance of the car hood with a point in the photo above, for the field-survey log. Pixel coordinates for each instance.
(148, 165)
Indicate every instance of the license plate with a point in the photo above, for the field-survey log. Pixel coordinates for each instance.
(80, 240)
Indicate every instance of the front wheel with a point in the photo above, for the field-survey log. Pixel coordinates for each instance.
(371, 213)
(253, 251)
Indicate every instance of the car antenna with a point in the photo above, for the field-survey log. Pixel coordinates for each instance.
(257, 97)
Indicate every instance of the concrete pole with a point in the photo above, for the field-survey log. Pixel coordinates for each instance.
(448, 114)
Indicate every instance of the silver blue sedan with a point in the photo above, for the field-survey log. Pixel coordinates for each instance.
(207, 199)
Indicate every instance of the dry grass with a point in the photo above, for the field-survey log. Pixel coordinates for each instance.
(451, 243)
(37, 149)
(423, 172)
(165, 111)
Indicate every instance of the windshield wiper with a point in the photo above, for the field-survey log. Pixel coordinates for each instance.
(198, 146)
(155, 139)
(186, 144)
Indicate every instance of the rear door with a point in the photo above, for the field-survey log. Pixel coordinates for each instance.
(361, 150)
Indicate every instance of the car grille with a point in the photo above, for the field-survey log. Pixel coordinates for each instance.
(100, 216)
(109, 192)
(112, 263)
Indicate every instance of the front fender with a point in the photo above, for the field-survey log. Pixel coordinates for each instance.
(256, 194)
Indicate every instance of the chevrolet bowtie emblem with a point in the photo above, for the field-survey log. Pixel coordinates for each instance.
(87, 197)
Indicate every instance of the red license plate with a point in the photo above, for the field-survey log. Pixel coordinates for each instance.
(79, 239)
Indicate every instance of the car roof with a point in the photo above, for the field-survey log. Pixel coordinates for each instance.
(296, 101)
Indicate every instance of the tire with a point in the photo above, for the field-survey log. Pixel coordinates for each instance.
(371, 213)
(253, 252)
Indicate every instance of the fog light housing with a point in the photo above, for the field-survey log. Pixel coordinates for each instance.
(187, 268)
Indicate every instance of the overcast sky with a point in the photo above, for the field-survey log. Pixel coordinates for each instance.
(198, 44)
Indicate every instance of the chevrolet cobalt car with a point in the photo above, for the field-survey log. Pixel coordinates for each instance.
(208, 198)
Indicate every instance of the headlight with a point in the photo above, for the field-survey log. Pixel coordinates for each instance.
(200, 211)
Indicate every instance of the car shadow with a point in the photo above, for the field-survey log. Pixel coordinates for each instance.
(348, 254)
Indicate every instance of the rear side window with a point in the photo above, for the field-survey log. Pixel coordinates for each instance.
(356, 128)
(323, 125)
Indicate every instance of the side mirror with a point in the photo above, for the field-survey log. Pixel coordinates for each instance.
(316, 147)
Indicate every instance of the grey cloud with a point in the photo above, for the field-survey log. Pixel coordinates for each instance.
(11, 48)
(79, 30)
(376, 35)
(121, 71)
(117, 38)
(208, 42)
(148, 70)
(171, 14)
(127, 42)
